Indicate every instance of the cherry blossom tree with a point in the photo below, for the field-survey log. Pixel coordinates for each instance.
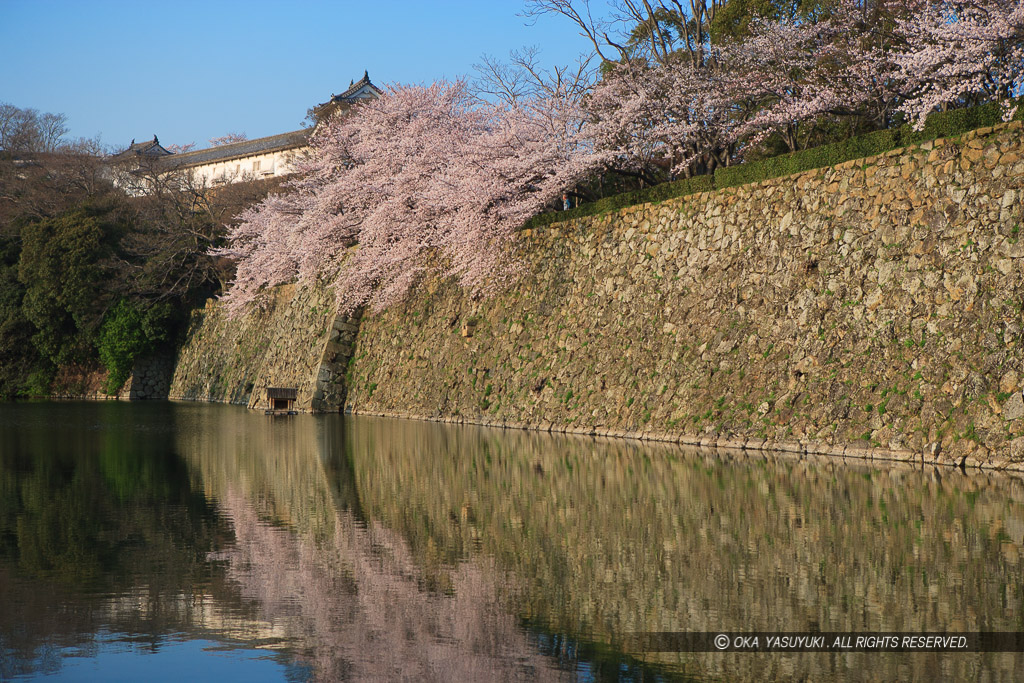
(788, 76)
(669, 115)
(962, 52)
(559, 90)
(180, 149)
(228, 139)
(422, 179)
(781, 78)
(775, 78)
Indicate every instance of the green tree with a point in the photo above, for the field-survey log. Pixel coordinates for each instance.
(66, 269)
(129, 332)
(17, 352)
(733, 19)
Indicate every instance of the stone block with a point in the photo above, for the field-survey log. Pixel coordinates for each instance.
(1013, 407)
(344, 326)
(1009, 382)
(1016, 448)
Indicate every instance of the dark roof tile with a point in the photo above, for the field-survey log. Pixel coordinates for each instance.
(294, 139)
(149, 148)
(348, 97)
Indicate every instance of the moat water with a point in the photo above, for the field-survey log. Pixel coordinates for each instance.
(170, 541)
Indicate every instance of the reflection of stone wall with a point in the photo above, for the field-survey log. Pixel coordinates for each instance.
(613, 537)
(282, 345)
(875, 304)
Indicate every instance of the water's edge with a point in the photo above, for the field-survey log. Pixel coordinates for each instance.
(726, 445)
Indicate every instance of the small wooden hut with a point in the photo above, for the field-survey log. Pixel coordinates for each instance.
(281, 400)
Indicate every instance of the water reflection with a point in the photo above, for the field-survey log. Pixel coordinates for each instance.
(103, 538)
(608, 539)
(354, 549)
(348, 584)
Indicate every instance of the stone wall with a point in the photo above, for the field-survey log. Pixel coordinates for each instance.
(151, 379)
(282, 345)
(871, 308)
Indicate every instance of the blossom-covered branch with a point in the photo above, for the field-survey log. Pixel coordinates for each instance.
(962, 52)
(422, 176)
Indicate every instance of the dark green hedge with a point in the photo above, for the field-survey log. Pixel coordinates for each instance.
(817, 157)
(939, 125)
(658, 193)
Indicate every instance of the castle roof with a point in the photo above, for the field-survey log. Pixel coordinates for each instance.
(360, 90)
(363, 89)
(245, 148)
(148, 148)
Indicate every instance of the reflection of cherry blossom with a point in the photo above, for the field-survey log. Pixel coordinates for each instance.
(355, 603)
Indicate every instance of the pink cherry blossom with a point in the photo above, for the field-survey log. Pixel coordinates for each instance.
(962, 52)
(423, 179)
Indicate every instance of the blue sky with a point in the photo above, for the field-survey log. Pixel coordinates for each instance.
(188, 70)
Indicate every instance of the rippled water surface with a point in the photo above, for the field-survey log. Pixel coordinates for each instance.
(205, 542)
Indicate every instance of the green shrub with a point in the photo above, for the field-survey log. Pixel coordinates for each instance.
(817, 157)
(958, 121)
(38, 382)
(129, 332)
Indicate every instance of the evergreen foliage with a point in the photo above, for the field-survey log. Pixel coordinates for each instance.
(18, 355)
(129, 332)
(63, 267)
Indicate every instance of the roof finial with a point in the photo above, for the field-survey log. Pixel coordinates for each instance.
(133, 142)
(366, 75)
(155, 140)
